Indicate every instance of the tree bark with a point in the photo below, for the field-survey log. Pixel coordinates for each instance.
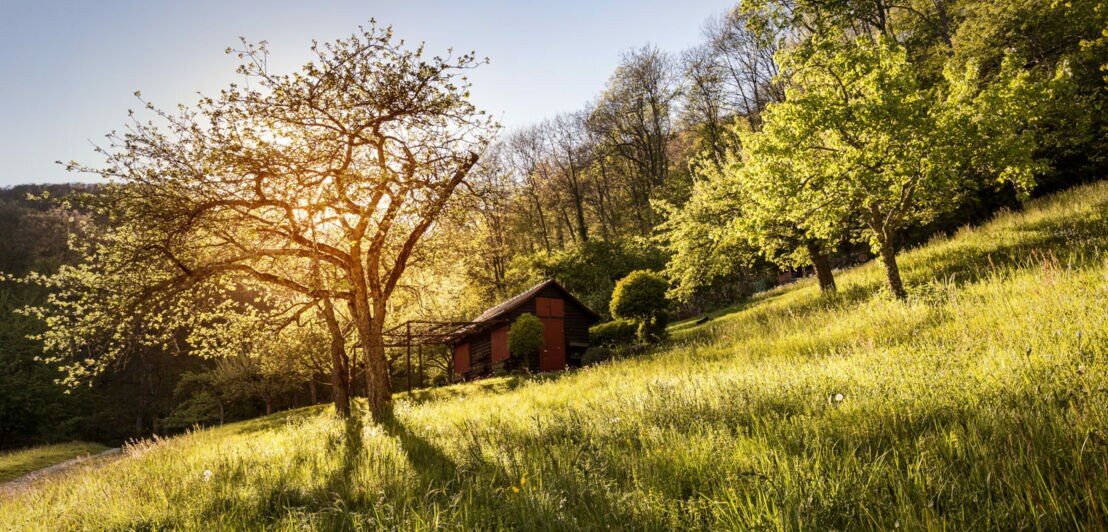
(379, 392)
(892, 271)
(339, 373)
(822, 266)
(370, 326)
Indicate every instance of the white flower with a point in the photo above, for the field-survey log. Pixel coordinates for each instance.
(838, 397)
(207, 475)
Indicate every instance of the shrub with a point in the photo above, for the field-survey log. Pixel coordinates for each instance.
(613, 333)
(641, 297)
(595, 354)
(525, 335)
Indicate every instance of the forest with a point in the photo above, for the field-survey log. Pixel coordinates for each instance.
(245, 255)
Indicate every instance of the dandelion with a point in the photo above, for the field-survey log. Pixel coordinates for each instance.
(207, 475)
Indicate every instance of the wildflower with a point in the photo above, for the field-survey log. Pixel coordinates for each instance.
(838, 397)
(207, 475)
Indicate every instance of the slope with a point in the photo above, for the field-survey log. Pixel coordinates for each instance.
(979, 403)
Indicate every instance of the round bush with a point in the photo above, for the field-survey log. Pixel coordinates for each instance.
(641, 297)
(525, 335)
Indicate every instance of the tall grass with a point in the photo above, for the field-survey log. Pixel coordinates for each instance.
(980, 403)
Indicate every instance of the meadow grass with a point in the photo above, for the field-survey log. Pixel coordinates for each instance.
(14, 464)
(979, 403)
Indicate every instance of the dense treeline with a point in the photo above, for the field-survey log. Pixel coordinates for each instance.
(801, 134)
(149, 391)
(649, 172)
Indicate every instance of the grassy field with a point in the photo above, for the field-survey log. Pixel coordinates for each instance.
(15, 464)
(980, 403)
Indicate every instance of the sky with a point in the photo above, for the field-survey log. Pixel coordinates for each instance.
(69, 69)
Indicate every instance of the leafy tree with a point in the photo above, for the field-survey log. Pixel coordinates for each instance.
(525, 335)
(321, 183)
(633, 122)
(641, 297)
(725, 229)
(1073, 126)
(858, 136)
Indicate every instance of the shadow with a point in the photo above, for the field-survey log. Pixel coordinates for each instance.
(352, 451)
(431, 464)
(273, 421)
(490, 384)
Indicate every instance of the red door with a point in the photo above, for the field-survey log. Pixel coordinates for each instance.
(461, 358)
(552, 357)
(500, 345)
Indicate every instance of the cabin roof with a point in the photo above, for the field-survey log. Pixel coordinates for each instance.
(520, 299)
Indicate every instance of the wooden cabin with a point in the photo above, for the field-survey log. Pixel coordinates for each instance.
(482, 347)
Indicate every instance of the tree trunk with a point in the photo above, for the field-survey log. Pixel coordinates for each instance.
(822, 266)
(888, 258)
(884, 237)
(944, 25)
(312, 390)
(339, 378)
(268, 404)
(221, 416)
(582, 225)
(370, 327)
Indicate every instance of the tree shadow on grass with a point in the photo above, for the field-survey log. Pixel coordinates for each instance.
(429, 461)
(498, 385)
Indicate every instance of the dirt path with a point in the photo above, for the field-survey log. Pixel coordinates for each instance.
(21, 483)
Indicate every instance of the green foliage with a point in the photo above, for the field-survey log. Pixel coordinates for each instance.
(591, 270)
(1050, 36)
(613, 333)
(641, 297)
(704, 245)
(795, 410)
(860, 137)
(525, 335)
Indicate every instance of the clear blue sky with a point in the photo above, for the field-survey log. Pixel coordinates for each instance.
(69, 68)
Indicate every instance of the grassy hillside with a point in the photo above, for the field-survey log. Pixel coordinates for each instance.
(14, 464)
(980, 403)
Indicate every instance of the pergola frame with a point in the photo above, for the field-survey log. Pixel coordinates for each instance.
(419, 333)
